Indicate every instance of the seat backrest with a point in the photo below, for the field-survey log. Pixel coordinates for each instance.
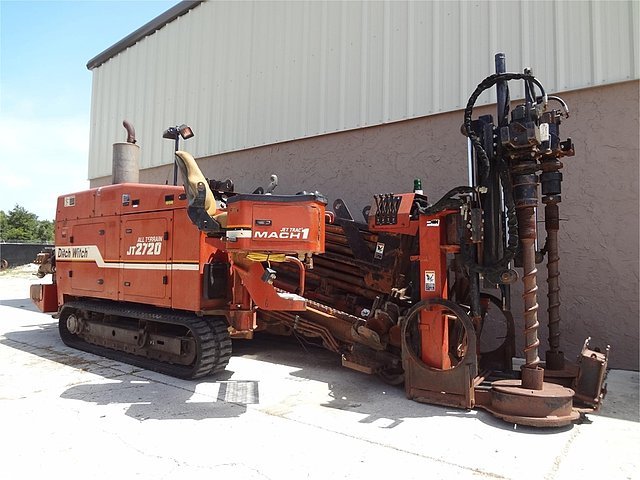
(192, 175)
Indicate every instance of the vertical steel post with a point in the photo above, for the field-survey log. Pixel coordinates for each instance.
(502, 90)
(493, 216)
(175, 164)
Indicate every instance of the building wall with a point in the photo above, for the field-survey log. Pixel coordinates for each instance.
(599, 228)
(247, 74)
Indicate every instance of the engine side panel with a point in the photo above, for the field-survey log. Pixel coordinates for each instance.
(144, 251)
(117, 243)
(80, 261)
(186, 266)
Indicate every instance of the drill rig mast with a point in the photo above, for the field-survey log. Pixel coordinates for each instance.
(415, 286)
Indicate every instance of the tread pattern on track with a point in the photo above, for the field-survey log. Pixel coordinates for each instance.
(210, 334)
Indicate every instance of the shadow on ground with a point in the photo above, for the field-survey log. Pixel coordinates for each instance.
(150, 395)
(22, 303)
(356, 392)
(155, 396)
(154, 399)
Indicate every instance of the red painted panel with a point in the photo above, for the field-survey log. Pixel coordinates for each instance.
(122, 249)
(87, 275)
(75, 205)
(79, 264)
(285, 227)
(186, 282)
(128, 198)
(434, 326)
(45, 297)
(111, 255)
(144, 251)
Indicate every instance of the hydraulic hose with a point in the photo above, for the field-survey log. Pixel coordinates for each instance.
(487, 83)
(447, 202)
(512, 221)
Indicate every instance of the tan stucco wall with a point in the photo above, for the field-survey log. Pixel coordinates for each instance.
(600, 211)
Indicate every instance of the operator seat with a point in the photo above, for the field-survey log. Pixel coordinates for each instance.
(192, 175)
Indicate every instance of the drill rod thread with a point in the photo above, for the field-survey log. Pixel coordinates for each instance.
(530, 297)
(553, 280)
(525, 186)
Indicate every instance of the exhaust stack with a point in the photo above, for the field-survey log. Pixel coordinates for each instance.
(126, 157)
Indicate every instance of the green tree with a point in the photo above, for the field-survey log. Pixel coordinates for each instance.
(23, 226)
(45, 231)
(3, 225)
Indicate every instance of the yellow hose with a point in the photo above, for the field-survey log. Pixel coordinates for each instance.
(266, 257)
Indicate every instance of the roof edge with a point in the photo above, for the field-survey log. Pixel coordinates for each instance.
(144, 31)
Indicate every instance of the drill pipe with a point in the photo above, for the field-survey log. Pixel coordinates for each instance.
(337, 265)
(351, 285)
(341, 239)
(532, 374)
(526, 198)
(368, 236)
(336, 257)
(527, 225)
(339, 249)
(552, 225)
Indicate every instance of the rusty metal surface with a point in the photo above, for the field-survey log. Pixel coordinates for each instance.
(554, 357)
(550, 406)
(532, 377)
(525, 188)
(530, 291)
(565, 376)
(592, 372)
(452, 387)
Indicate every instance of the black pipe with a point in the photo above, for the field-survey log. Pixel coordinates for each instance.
(494, 240)
(502, 91)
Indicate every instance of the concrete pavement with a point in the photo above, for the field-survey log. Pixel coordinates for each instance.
(280, 411)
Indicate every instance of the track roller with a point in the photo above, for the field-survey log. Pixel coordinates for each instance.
(179, 344)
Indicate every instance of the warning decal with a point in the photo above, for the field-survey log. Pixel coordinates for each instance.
(379, 251)
(429, 281)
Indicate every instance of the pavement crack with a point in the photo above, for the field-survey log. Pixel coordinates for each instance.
(391, 447)
(563, 454)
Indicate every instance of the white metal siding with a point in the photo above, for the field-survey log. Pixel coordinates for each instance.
(245, 74)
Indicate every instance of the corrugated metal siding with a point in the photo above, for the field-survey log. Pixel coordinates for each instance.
(245, 74)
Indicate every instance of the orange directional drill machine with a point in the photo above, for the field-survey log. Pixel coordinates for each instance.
(164, 276)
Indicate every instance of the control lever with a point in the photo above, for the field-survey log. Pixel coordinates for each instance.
(270, 188)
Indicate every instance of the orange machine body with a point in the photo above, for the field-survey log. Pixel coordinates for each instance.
(281, 223)
(432, 259)
(135, 243)
(392, 213)
(130, 242)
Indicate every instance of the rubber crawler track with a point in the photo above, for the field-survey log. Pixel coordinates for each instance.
(210, 333)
